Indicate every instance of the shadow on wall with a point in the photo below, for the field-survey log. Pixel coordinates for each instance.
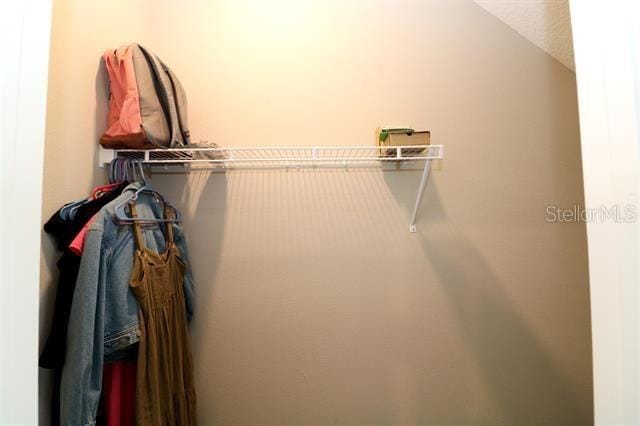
(201, 196)
(523, 379)
(288, 266)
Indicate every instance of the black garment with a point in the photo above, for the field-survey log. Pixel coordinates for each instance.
(63, 232)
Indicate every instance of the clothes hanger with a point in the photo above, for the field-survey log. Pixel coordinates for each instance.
(111, 168)
(96, 193)
(120, 211)
(120, 171)
(127, 174)
(99, 191)
(130, 171)
(64, 211)
(115, 171)
(68, 211)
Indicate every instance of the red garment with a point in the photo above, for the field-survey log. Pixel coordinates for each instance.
(77, 245)
(119, 393)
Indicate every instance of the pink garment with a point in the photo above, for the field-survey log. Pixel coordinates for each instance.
(124, 119)
(119, 393)
(77, 245)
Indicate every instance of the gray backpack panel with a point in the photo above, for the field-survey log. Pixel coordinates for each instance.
(154, 119)
(181, 105)
(167, 125)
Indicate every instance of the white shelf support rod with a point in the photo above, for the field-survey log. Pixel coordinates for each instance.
(421, 188)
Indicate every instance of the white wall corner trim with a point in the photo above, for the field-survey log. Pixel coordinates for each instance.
(24, 36)
(608, 96)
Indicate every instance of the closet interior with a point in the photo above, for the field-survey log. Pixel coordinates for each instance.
(226, 223)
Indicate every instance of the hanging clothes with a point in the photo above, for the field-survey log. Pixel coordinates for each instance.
(165, 392)
(117, 404)
(118, 393)
(104, 322)
(77, 245)
(63, 230)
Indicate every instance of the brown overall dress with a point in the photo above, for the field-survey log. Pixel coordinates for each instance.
(165, 394)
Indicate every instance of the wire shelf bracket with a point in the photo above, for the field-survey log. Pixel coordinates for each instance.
(286, 157)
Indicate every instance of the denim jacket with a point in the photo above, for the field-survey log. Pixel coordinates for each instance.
(104, 312)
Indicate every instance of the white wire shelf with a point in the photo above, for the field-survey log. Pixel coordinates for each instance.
(277, 156)
(286, 157)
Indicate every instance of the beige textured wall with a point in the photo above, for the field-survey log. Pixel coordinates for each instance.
(315, 303)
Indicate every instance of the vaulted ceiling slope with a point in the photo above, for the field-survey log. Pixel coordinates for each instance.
(545, 23)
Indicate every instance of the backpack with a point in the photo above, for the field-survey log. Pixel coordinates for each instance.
(147, 104)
